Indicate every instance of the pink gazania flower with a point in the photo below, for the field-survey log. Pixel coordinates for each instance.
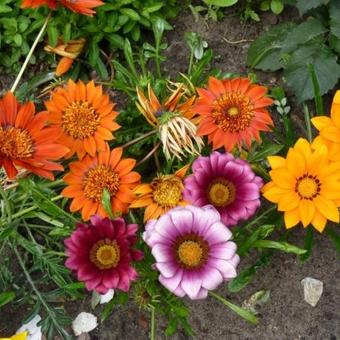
(101, 253)
(227, 183)
(192, 249)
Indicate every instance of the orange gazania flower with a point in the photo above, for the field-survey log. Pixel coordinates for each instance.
(89, 177)
(79, 6)
(233, 112)
(84, 116)
(25, 141)
(161, 195)
(69, 51)
(174, 119)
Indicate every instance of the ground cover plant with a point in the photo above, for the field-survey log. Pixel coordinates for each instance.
(159, 202)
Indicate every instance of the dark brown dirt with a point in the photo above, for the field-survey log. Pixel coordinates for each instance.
(286, 316)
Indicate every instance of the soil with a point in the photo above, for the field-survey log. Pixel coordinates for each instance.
(285, 316)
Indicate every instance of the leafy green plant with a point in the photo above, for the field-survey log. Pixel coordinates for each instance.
(105, 31)
(307, 52)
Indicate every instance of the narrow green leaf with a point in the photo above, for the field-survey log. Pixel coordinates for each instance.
(283, 246)
(106, 201)
(334, 237)
(6, 297)
(309, 241)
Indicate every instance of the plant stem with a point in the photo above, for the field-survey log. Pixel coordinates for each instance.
(155, 148)
(136, 140)
(54, 183)
(191, 62)
(307, 121)
(254, 221)
(30, 53)
(153, 324)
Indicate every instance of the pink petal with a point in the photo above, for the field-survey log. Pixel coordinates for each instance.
(173, 282)
(191, 284)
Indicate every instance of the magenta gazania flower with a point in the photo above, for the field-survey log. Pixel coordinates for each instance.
(227, 183)
(192, 249)
(101, 253)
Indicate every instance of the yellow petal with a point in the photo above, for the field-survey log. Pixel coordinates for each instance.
(335, 110)
(288, 201)
(292, 218)
(331, 133)
(272, 192)
(296, 162)
(276, 162)
(327, 208)
(283, 178)
(143, 189)
(307, 212)
(317, 160)
(303, 147)
(321, 122)
(331, 190)
(319, 222)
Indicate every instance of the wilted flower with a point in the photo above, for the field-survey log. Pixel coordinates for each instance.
(102, 254)
(233, 112)
(161, 195)
(305, 185)
(192, 249)
(227, 183)
(69, 51)
(175, 122)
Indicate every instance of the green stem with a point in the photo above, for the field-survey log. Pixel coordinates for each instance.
(138, 139)
(243, 313)
(54, 183)
(30, 53)
(254, 221)
(191, 62)
(307, 121)
(153, 324)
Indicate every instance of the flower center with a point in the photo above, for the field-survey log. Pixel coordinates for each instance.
(15, 143)
(80, 120)
(232, 112)
(99, 178)
(221, 192)
(167, 190)
(105, 254)
(191, 251)
(308, 187)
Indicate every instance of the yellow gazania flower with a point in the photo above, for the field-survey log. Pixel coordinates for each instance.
(161, 195)
(20, 336)
(329, 130)
(69, 51)
(305, 185)
(175, 121)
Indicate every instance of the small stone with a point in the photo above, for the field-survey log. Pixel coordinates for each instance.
(312, 289)
(84, 323)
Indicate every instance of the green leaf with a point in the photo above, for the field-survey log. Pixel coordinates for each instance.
(306, 5)
(302, 34)
(334, 237)
(53, 34)
(265, 52)
(276, 6)
(283, 246)
(106, 202)
(221, 3)
(241, 280)
(132, 14)
(334, 13)
(309, 241)
(6, 297)
(326, 68)
(266, 150)
(5, 9)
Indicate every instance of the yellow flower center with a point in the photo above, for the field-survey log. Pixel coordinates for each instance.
(308, 187)
(191, 251)
(15, 143)
(221, 192)
(167, 191)
(233, 112)
(99, 178)
(105, 254)
(80, 120)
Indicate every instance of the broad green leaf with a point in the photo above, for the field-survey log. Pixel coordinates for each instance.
(266, 150)
(276, 6)
(5, 9)
(132, 14)
(326, 68)
(306, 5)
(334, 13)
(221, 3)
(265, 52)
(302, 33)
(6, 297)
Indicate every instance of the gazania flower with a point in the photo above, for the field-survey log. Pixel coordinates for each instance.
(89, 177)
(69, 51)
(102, 253)
(193, 250)
(161, 195)
(305, 185)
(79, 6)
(25, 141)
(83, 116)
(227, 183)
(175, 122)
(329, 130)
(233, 112)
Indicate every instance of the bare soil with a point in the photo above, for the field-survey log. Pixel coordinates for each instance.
(286, 316)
